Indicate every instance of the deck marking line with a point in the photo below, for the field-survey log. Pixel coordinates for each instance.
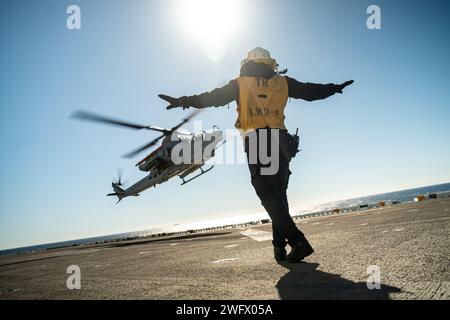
(225, 260)
(257, 235)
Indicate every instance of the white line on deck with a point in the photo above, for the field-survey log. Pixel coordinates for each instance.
(144, 252)
(232, 246)
(10, 290)
(257, 235)
(330, 224)
(225, 260)
(173, 244)
(384, 231)
(363, 224)
(399, 229)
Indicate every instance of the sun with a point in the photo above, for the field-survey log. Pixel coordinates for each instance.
(210, 23)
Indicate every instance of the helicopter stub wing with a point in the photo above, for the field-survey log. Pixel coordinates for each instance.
(149, 156)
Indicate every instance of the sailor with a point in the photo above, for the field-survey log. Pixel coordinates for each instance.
(261, 94)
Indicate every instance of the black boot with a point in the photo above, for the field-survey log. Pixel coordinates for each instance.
(300, 251)
(279, 253)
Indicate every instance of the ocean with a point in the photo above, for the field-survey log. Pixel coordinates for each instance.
(401, 196)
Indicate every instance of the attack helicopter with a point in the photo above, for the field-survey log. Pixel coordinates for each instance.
(179, 154)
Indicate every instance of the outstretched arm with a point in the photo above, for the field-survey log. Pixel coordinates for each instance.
(313, 91)
(215, 98)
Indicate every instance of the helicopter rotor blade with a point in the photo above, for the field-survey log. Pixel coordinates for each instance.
(185, 120)
(119, 176)
(160, 129)
(165, 132)
(94, 117)
(144, 147)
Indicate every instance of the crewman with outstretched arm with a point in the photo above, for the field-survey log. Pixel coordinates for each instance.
(261, 94)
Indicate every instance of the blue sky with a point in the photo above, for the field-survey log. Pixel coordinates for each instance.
(389, 131)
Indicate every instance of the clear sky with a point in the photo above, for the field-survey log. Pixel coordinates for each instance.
(388, 131)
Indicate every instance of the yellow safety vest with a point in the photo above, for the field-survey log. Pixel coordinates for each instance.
(261, 102)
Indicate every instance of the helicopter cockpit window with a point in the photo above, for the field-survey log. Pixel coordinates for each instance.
(183, 135)
(199, 135)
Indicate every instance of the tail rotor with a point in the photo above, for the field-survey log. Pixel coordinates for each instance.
(116, 184)
(119, 181)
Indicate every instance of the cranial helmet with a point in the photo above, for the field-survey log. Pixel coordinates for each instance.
(260, 55)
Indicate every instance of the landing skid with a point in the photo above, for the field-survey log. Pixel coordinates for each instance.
(198, 175)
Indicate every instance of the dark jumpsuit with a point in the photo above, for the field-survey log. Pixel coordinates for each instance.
(271, 189)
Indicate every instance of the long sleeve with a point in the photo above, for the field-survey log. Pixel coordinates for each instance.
(310, 91)
(215, 98)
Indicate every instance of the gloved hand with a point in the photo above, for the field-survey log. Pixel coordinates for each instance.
(173, 102)
(341, 86)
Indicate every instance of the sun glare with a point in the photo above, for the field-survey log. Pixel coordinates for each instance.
(210, 23)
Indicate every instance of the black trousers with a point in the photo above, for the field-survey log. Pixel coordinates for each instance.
(272, 190)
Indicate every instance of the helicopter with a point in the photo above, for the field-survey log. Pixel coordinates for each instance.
(173, 157)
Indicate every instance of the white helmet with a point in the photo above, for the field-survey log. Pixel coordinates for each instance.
(260, 55)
